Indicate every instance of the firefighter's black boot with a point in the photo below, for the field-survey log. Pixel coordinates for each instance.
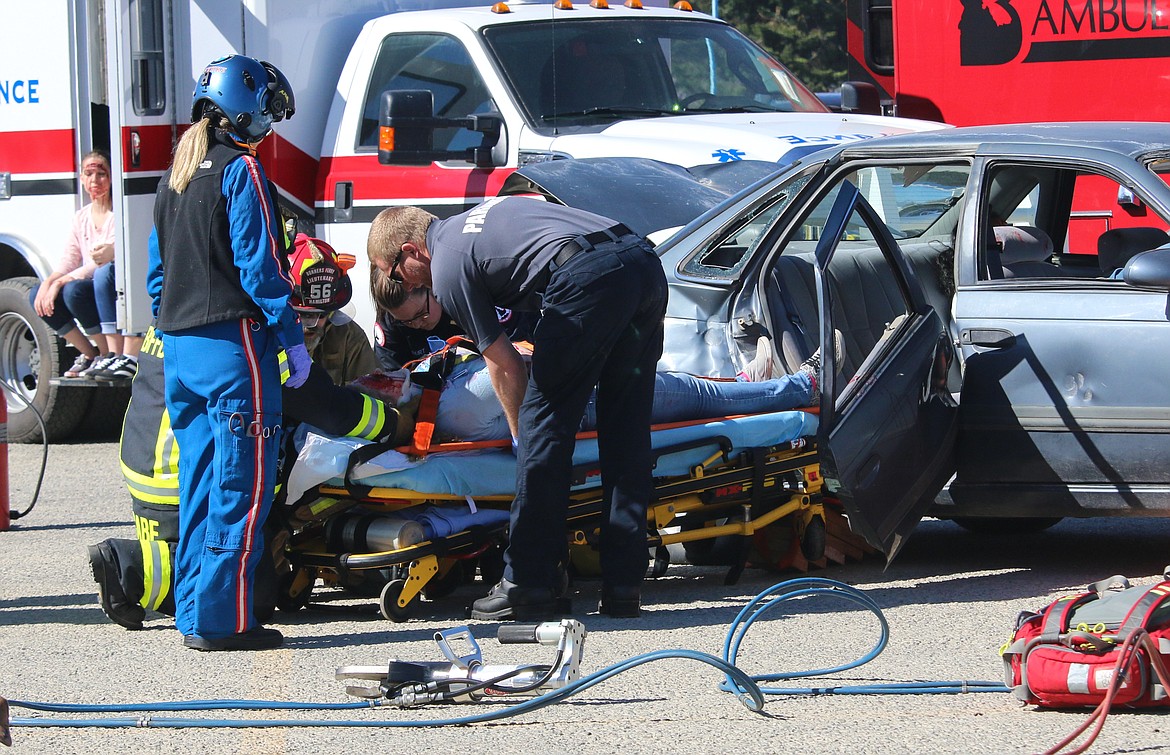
(115, 604)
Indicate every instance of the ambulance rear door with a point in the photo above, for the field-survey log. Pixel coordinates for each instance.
(144, 114)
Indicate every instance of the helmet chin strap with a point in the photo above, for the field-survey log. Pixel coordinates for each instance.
(250, 146)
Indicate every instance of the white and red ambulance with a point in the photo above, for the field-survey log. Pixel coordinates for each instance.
(562, 80)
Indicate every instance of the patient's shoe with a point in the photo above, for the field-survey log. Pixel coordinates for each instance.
(812, 365)
(115, 603)
(510, 601)
(761, 366)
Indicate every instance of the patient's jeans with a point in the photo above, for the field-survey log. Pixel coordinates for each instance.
(469, 409)
(679, 396)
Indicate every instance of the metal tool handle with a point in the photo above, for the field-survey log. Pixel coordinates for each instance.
(518, 634)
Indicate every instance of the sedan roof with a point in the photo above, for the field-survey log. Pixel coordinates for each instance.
(1126, 138)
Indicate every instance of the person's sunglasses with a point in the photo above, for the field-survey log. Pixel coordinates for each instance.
(394, 273)
(311, 319)
(423, 313)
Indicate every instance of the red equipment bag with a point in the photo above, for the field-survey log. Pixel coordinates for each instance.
(1112, 642)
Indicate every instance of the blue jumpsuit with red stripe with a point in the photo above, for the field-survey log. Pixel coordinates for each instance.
(223, 394)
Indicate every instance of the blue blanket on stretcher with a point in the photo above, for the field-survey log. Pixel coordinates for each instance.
(493, 472)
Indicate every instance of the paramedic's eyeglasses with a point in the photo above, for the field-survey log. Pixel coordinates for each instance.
(423, 313)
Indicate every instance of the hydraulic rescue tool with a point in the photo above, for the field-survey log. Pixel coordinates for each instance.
(464, 677)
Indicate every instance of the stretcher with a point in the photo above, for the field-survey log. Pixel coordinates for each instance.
(427, 525)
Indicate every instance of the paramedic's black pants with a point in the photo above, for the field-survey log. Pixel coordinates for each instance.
(601, 326)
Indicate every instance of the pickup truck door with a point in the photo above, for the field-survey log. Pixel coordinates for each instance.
(887, 440)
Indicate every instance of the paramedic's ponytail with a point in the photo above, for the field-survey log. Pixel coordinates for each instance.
(189, 153)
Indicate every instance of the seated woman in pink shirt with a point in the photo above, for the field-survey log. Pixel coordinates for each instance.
(66, 298)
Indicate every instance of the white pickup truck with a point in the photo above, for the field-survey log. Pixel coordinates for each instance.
(546, 81)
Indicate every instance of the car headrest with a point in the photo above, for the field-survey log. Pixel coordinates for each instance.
(1117, 245)
(1022, 243)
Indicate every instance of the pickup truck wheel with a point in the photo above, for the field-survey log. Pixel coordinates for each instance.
(31, 355)
(994, 525)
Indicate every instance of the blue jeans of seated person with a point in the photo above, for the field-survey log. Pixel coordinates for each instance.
(105, 294)
(75, 301)
(469, 409)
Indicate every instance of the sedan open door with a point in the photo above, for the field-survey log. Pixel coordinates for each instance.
(888, 420)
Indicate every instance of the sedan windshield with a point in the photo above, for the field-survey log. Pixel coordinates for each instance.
(651, 68)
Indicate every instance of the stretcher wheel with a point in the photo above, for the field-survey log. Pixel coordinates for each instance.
(812, 543)
(294, 589)
(388, 601)
(660, 562)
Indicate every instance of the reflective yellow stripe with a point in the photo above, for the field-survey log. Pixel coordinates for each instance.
(282, 363)
(156, 573)
(152, 489)
(372, 421)
(320, 505)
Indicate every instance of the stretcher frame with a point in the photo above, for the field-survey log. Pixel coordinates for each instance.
(733, 492)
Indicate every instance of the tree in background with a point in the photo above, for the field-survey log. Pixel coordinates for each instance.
(807, 36)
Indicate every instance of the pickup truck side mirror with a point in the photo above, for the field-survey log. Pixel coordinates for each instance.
(407, 124)
(1149, 269)
(860, 97)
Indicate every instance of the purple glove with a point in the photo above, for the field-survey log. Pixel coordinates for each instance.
(299, 365)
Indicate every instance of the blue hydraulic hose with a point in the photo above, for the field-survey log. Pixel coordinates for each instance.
(796, 588)
(746, 687)
(750, 696)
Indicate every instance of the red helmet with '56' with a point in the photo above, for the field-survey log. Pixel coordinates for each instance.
(320, 275)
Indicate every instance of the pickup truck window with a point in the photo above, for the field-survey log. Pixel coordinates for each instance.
(435, 62)
(589, 73)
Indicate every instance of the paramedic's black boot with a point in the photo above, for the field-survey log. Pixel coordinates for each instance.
(256, 638)
(115, 604)
(507, 601)
(620, 601)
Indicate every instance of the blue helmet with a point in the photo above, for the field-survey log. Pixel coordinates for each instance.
(250, 93)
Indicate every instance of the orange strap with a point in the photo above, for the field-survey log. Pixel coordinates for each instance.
(424, 423)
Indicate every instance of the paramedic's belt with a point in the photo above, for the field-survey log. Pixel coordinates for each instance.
(588, 241)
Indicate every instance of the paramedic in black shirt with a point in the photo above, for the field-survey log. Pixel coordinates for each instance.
(601, 294)
(398, 342)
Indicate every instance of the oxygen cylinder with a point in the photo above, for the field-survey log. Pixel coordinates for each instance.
(371, 533)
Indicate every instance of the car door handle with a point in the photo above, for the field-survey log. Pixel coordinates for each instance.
(991, 337)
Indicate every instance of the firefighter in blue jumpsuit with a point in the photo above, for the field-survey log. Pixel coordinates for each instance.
(221, 300)
(136, 575)
(601, 294)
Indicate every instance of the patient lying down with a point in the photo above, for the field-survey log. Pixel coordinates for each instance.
(469, 410)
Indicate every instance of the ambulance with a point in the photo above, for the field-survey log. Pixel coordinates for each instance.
(512, 83)
(978, 62)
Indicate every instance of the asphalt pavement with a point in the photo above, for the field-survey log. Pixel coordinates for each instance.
(950, 599)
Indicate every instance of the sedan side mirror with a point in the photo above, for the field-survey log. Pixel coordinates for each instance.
(1149, 269)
